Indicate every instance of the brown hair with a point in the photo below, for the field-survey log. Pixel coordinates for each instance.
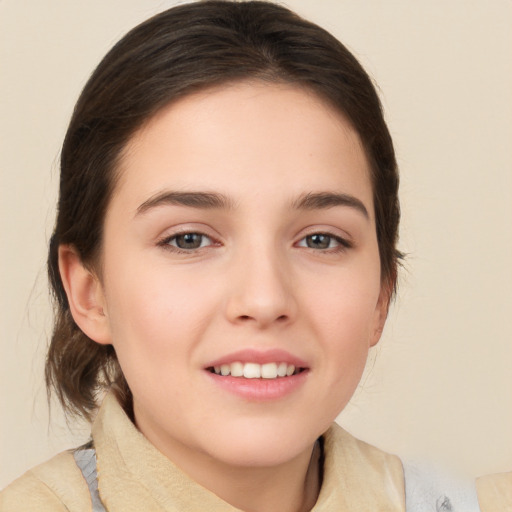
(177, 52)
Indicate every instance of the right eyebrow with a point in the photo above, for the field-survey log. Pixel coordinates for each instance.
(202, 200)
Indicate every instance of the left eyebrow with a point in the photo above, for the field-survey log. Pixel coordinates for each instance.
(202, 200)
(324, 200)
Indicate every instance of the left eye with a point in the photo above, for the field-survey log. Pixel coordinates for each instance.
(322, 241)
(189, 241)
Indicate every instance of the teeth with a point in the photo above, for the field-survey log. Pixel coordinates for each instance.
(269, 371)
(252, 371)
(255, 370)
(237, 369)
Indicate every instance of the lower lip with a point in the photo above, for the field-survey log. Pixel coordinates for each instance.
(260, 390)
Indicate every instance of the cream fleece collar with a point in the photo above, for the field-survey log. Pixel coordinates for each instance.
(134, 476)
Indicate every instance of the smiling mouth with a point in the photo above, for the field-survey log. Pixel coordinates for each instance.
(256, 371)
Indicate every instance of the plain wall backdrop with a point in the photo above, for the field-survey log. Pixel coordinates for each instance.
(440, 381)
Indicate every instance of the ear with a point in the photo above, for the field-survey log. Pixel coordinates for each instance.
(85, 295)
(381, 313)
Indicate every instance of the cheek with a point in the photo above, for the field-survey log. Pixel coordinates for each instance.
(343, 315)
(346, 306)
(154, 312)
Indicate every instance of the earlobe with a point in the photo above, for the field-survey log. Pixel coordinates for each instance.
(85, 295)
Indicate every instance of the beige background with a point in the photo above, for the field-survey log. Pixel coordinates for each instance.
(440, 382)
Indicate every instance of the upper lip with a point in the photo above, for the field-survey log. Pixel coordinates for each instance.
(259, 357)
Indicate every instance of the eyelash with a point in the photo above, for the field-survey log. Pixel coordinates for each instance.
(166, 243)
(342, 243)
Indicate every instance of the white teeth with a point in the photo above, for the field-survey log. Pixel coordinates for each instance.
(281, 369)
(269, 370)
(252, 371)
(237, 369)
(255, 370)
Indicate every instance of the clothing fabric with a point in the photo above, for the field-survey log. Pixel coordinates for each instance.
(85, 458)
(428, 488)
(425, 488)
(134, 476)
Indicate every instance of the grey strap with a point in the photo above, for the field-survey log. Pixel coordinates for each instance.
(85, 459)
(428, 490)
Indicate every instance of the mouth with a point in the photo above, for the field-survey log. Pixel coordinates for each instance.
(252, 370)
(259, 375)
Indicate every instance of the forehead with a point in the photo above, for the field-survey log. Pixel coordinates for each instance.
(249, 136)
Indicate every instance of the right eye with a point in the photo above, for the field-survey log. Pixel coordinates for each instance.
(187, 241)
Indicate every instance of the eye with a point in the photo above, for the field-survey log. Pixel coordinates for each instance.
(187, 241)
(323, 241)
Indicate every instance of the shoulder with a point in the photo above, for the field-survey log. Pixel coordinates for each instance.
(359, 476)
(361, 454)
(495, 492)
(56, 485)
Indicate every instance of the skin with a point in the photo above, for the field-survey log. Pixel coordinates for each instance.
(256, 281)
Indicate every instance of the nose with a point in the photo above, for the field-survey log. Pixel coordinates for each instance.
(261, 290)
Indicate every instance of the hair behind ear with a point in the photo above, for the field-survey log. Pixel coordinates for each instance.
(79, 367)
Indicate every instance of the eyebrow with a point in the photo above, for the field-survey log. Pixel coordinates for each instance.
(203, 200)
(324, 200)
(215, 200)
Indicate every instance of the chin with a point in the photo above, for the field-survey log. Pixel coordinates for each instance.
(262, 445)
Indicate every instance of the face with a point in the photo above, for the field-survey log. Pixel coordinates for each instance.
(241, 274)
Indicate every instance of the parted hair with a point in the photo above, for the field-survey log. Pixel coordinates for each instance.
(175, 53)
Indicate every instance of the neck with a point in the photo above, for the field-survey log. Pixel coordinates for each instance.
(289, 487)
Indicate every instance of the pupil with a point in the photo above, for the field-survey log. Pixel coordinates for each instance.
(189, 241)
(318, 241)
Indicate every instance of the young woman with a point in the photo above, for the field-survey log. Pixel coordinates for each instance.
(223, 259)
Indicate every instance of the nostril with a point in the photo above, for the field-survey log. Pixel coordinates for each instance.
(245, 318)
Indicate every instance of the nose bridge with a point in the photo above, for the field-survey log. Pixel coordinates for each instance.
(261, 288)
